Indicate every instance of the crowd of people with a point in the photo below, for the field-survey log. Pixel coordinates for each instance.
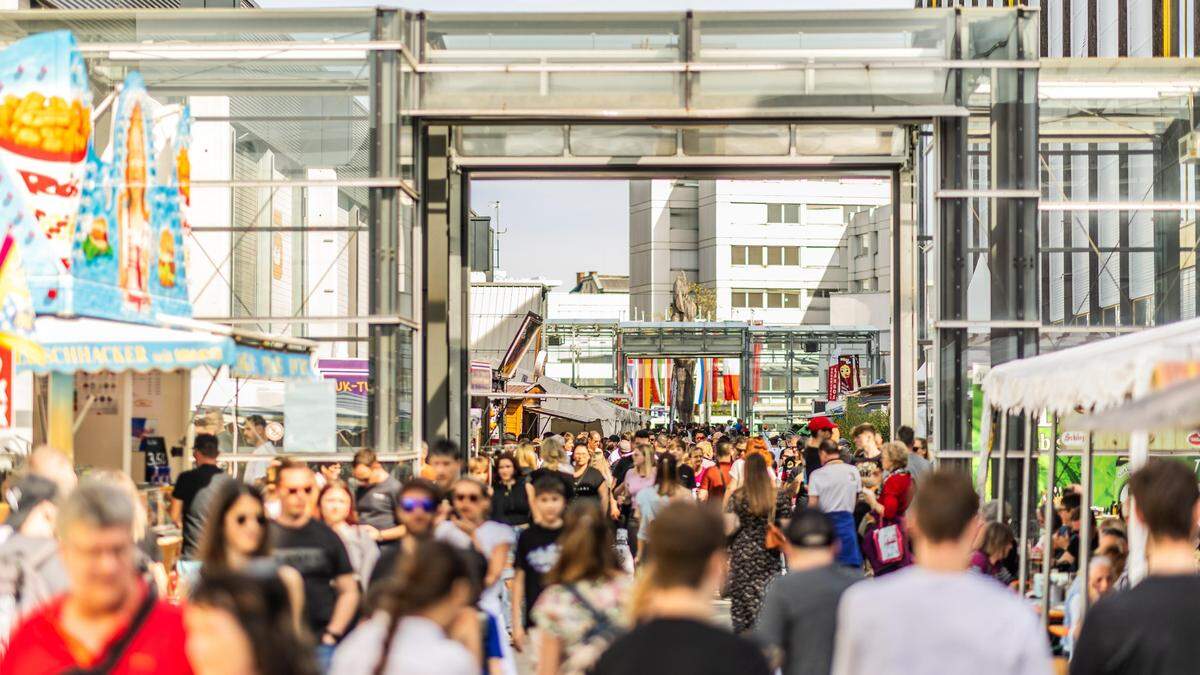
(583, 554)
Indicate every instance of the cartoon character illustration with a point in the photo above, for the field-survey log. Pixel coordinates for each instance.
(95, 244)
(166, 259)
(133, 217)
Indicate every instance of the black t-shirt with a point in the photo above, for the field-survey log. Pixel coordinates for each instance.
(687, 476)
(537, 551)
(588, 485)
(1148, 630)
(622, 467)
(376, 504)
(568, 480)
(510, 505)
(318, 554)
(197, 488)
(681, 646)
(812, 461)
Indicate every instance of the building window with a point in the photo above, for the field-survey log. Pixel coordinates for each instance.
(784, 213)
(774, 299)
(774, 213)
(1142, 309)
(791, 213)
(737, 299)
(684, 219)
(754, 299)
(769, 298)
(791, 256)
(791, 299)
(864, 244)
(821, 293)
(754, 256)
(774, 255)
(737, 255)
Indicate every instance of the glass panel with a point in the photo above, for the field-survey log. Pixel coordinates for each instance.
(849, 139)
(511, 140)
(541, 42)
(791, 213)
(791, 255)
(737, 299)
(612, 140)
(754, 299)
(774, 299)
(684, 219)
(740, 139)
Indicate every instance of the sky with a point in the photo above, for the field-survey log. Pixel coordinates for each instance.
(555, 228)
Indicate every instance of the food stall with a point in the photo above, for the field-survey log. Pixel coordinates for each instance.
(1091, 379)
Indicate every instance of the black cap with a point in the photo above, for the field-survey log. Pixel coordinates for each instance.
(810, 529)
(25, 496)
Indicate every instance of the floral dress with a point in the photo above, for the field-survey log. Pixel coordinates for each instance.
(751, 565)
(559, 612)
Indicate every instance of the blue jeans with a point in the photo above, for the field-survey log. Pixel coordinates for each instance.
(324, 655)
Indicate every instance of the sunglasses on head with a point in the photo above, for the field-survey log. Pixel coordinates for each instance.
(243, 519)
(464, 497)
(307, 490)
(410, 504)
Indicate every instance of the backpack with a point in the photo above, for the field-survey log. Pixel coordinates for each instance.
(23, 588)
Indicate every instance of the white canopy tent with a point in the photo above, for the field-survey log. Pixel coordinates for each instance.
(1096, 377)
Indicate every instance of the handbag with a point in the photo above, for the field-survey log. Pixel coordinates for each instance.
(889, 542)
(774, 539)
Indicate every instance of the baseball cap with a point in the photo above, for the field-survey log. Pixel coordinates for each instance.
(820, 423)
(25, 496)
(810, 529)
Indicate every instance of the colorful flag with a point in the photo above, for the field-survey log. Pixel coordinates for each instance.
(701, 390)
(732, 379)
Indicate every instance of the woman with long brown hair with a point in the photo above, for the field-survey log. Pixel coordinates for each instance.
(411, 630)
(752, 508)
(579, 613)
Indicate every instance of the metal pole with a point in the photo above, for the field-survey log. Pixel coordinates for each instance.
(1001, 474)
(1026, 498)
(1085, 525)
(1048, 526)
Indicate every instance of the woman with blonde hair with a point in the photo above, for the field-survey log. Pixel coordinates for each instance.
(554, 463)
(527, 459)
(889, 508)
(753, 508)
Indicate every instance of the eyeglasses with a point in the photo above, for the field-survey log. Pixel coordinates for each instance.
(472, 498)
(307, 490)
(243, 519)
(409, 505)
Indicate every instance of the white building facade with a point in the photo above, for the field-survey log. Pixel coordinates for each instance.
(772, 251)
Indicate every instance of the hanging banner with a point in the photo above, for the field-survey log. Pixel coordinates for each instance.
(847, 368)
(832, 383)
(6, 389)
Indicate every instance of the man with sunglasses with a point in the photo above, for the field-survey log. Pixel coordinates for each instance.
(313, 549)
(416, 511)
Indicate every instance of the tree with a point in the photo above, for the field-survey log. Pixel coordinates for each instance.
(706, 302)
(856, 414)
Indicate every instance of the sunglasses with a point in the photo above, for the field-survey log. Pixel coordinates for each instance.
(243, 519)
(299, 490)
(472, 498)
(409, 505)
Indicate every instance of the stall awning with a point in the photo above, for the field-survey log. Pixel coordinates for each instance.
(1093, 376)
(1176, 407)
(96, 345)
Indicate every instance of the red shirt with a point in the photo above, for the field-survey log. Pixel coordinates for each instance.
(39, 647)
(716, 481)
(896, 495)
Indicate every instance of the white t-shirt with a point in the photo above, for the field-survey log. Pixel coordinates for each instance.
(419, 647)
(257, 470)
(836, 486)
(967, 624)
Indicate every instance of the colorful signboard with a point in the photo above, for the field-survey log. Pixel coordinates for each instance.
(350, 376)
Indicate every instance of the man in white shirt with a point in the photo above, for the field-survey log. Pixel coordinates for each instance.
(936, 617)
(834, 489)
(255, 432)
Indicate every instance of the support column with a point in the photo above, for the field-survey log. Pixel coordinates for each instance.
(384, 341)
(953, 418)
(443, 355)
(904, 298)
(1167, 306)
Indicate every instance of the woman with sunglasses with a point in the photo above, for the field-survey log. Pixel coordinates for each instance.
(336, 508)
(469, 528)
(235, 540)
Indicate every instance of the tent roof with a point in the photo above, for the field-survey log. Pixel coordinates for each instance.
(1095, 376)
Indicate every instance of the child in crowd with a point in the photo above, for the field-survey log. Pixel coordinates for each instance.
(537, 552)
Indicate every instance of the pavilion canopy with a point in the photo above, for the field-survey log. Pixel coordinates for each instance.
(1176, 407)
(1093, 376)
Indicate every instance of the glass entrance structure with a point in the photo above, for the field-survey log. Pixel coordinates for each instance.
(335, 150)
